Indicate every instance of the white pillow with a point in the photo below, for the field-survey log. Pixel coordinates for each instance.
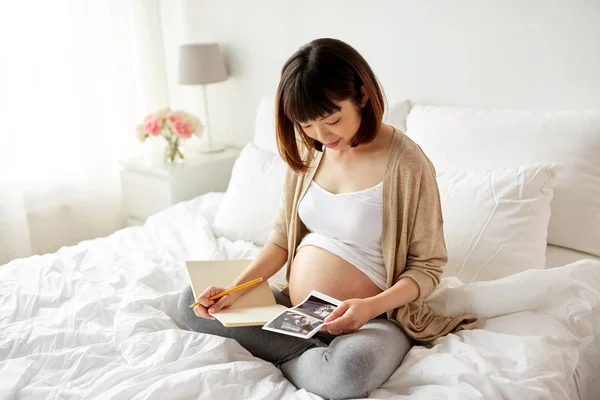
(396, 113)
(459, 138)
(264, 125)
(252, 198)
(496, 221)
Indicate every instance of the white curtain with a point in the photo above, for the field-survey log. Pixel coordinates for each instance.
(76, 76)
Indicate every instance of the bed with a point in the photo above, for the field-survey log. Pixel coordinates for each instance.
(100, 320)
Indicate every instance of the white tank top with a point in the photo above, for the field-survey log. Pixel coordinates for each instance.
(348, 225)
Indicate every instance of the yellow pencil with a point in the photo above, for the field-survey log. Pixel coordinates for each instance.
(233, 289)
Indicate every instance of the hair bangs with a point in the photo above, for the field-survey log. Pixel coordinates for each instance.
(307, 100)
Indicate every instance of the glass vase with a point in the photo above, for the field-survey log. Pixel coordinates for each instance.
(173, 153)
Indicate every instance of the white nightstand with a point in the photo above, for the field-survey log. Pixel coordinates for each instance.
(149, 186)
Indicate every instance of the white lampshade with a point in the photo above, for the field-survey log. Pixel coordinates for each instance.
(200, 64)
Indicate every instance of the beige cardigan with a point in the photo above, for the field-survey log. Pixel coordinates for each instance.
(412, 238)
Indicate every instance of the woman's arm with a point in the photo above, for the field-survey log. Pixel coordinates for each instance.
(403, 292)
(426, 254)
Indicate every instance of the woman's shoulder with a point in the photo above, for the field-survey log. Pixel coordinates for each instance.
(407, 156)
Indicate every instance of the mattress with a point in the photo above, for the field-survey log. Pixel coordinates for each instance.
(100, 320)
(559, 256)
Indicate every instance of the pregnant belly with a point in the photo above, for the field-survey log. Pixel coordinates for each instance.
(314, 268)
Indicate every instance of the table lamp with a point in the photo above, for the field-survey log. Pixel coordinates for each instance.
(202, 64)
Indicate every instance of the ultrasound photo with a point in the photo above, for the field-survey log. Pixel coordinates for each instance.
(316, 307)
(295, 324)
(305, 319)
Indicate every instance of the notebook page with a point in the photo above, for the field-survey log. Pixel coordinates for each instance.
(222, 273)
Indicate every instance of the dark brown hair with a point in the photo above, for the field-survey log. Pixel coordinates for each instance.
(319, 72)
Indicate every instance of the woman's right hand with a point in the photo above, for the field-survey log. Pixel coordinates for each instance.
(208, 307)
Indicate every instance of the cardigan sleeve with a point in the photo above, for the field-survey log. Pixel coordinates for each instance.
(282, 220)
(426, 253)
(279, 233)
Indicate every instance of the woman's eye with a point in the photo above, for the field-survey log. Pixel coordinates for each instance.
(335, 122)
(306, 127)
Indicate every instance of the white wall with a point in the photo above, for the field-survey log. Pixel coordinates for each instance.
(483, 53)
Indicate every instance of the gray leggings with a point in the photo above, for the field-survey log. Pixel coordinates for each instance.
(333, 367)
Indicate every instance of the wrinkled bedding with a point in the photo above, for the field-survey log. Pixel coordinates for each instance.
(99, 320)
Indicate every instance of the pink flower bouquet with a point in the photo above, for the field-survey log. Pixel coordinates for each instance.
(173, 126)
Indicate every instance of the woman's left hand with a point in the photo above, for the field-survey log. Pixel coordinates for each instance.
(349, 316)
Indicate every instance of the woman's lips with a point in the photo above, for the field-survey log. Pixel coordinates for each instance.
(333, 145)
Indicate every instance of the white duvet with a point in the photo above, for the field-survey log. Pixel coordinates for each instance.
(99, 320)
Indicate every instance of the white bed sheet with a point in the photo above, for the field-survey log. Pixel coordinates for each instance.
(99, 320)
(587, 373)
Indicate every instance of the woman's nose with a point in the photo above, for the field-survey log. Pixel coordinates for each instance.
(322, 134)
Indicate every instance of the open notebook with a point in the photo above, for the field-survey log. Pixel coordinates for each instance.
(256, 307)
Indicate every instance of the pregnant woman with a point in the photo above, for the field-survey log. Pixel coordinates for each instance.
(360, 220)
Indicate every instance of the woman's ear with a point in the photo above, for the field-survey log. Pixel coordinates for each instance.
(365, 96)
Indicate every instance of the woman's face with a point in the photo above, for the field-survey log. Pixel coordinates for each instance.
(336, 130)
